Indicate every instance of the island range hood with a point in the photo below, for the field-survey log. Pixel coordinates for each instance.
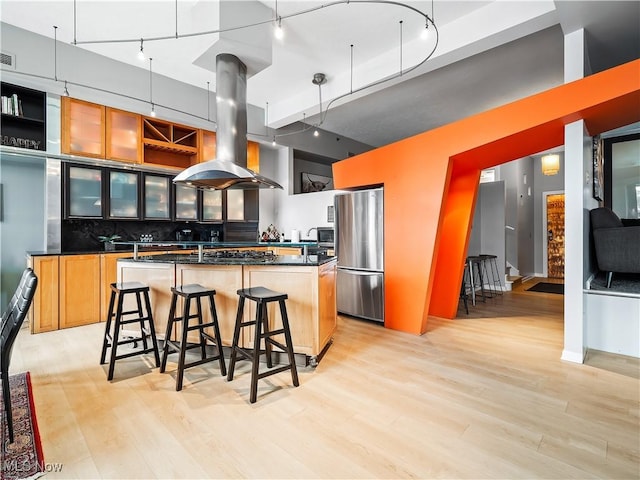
(229, 169)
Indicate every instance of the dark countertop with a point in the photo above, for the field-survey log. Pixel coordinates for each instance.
(122, 247)
(277, 260)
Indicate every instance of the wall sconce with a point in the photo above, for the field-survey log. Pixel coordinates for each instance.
(550, 164)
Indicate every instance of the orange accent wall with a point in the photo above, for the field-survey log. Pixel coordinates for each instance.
(431, 181)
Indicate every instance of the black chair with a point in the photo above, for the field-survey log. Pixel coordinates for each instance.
(12, 320)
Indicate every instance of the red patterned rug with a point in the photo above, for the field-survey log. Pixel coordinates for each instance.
(22, 458)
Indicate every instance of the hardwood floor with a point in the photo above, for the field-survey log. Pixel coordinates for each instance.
(482, 396)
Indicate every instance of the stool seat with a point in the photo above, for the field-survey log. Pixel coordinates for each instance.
(262, 331)
(195, 292)
(125, 287)
(119, 317)
(262, 294)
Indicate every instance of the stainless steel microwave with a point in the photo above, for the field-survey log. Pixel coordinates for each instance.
(325, 237)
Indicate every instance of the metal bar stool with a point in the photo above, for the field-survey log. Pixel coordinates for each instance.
(463, 289)
(262, 296)
(188, 293)
(496, 283)
(112, 339)
(475, 272)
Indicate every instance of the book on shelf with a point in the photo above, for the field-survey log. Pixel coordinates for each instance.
(12, 105)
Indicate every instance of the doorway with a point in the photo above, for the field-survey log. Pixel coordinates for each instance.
(553, 243)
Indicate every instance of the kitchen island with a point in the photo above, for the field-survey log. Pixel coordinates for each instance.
(308, 280)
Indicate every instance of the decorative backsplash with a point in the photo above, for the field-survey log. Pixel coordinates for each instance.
(82, 235)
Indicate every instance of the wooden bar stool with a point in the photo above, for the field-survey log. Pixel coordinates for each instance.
(188, 293)
(112, 339)
(262, 296)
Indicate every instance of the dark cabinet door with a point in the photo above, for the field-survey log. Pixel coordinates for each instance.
(156, 197)
(186, 203)
(124, 195)
(84, 188)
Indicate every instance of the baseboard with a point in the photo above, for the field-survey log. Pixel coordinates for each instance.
(574, 357)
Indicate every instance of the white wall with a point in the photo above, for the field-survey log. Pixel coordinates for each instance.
(613, 324)
(284, 209)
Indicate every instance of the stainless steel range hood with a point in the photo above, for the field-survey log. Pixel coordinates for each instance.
(229, 169)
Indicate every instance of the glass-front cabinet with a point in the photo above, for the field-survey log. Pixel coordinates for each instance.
(235, 204)
(157, 198)
(83, 192)
(212, 205)
(186, 203)
(123, 194)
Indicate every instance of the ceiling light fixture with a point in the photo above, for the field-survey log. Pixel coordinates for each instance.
(550, 164)
(278, 32)
(141, 52)
(429, 20)
(66, 91)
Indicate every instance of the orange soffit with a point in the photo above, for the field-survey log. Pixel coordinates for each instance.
(430, 183)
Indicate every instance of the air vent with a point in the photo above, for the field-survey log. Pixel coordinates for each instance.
(8, 60)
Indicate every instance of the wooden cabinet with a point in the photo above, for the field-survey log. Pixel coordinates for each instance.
(207, 144)
(312, 316)
(168, 144)
(43, 315)
(23, 112)
(83, 128)
(68, 292)
(253, 156)
(108, 275)
(123, 136)
(160, 277)
(79, 290)
(327, 305)
(93, 130)
(225, 280)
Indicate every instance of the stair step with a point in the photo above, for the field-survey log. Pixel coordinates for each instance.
(514, 279)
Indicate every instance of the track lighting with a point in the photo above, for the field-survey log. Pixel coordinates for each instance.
(66, 91)
(274, 141)
(424, 35)
(316, 133)
(153, 110)
(141, 52)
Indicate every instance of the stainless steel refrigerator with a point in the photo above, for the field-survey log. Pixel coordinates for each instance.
(359, 243)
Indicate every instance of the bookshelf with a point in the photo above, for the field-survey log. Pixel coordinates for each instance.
(23, 112)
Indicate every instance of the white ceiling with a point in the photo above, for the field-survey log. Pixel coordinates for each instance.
(489, 52)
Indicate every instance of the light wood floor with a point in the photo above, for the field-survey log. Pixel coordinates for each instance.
(483, 396)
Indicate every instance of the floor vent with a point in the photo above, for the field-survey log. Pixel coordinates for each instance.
(8, 60)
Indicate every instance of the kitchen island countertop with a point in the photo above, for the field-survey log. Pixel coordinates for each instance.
(274, 260)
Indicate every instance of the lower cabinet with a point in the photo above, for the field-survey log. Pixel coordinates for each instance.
(73, 290)
(79, 290)
(43, 314)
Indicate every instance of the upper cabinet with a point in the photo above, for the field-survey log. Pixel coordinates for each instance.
(168, 144)
(83, 128)
(93, 130)
(123, 134)
(23, 122)
(207, 142)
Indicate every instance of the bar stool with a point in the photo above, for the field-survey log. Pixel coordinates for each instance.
(262, 296)
(496, 283)
(463, 289)
(476, 268)
(113, 340)
(188, 293)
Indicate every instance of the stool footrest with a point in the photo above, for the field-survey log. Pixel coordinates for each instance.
(273, 371)
(133, 354)
(134, 320)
